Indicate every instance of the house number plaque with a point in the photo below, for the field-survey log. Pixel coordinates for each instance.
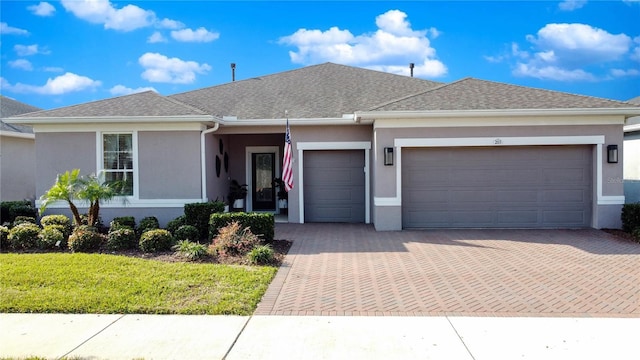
(497, 141)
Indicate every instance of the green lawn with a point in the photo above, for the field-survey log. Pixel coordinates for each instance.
(99, 283)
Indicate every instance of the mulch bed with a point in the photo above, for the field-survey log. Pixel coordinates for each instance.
(621, 234)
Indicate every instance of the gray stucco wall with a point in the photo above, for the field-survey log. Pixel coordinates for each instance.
(389, 218)
(169, 165)
(632, 167)
(17, 168)
(60, 152)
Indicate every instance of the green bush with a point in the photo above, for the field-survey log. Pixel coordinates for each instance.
(9, 210)
(24, 219)
(260, 255)
(187, 232)
(121, 239)
(262, 224)
(52, 237)
(148, 223)
(198, 214)
(85, 239)
(636, 234)
(234, 240)
(123, 221)
(190, 250)
(175, 224)
(630, 217)
(4, 238)
(156, 240)
(24, 236)
(61, 220)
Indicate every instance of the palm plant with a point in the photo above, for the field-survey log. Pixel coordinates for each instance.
(94, 191)
(65, 189)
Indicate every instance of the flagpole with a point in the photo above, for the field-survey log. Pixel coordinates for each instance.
(287, 166)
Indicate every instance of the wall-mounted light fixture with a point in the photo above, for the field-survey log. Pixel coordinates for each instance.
(612, 154)
(388, 156)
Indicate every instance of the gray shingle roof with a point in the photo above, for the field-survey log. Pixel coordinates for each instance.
(321, 91)
(475, 94)
(10, 107)
(635, 100)
(146, 103)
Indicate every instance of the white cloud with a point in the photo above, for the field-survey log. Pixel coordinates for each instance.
(53, 69)
(156, 37)
(27, 50)
(570, 5)
(199, 35)
(5, 29)
(565, 51)
(123, 90)
(128, 18)
(159, 68)
(62, 84)
(22, 64)
(42, 9)
(624, 73)
(170, 24)
(391, 48)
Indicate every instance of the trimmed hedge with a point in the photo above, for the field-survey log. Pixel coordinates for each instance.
(51, 237)
(156, 240)
(148, 223)
(61, 220)
(198, 215)
(24, 236)
(187, 232)
(175, 224)
(122, 238)
(262, 224)
(86, 239)
(4, 238)
(9, 210)
(123, 221)
(630, 217)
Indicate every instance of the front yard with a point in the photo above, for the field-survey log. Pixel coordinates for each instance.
(102, 283)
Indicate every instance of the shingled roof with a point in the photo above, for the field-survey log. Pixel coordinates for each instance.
(10, 107)
(475, 94)
(147, 103)
(321, 91)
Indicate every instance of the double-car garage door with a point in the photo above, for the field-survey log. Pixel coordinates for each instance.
(497, 187)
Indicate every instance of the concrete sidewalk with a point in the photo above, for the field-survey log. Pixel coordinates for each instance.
(316, 337)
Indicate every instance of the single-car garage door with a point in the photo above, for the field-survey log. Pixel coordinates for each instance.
(497, 187)
(334, 186)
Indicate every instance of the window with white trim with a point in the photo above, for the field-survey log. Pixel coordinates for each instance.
(117, 161)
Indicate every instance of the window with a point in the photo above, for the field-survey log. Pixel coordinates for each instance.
(117, 161)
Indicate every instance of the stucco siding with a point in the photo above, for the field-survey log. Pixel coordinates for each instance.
(632, 167)
(60, 152)
(169, 165)
(17, 168)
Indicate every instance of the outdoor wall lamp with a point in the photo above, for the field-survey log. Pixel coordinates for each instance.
(612, 154)
(388, 156)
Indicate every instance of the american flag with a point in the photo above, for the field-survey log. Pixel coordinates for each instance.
(287, 171)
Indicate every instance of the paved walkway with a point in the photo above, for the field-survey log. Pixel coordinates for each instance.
(344, 269)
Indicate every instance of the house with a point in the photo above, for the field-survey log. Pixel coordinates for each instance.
(632, 160)
(17, 153)
(368, 146)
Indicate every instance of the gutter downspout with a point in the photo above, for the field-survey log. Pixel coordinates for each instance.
(203, 159)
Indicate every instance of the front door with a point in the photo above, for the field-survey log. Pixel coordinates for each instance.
(263, 171)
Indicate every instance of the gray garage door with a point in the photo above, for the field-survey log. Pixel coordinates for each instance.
(497, 187)
(334, 186)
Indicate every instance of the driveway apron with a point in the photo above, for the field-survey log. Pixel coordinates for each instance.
(350, 269)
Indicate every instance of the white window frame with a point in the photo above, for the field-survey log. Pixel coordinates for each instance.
(134, 145)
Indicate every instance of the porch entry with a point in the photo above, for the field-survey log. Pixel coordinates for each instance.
(263, 165)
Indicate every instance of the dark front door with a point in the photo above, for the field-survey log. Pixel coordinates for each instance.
(263, 168)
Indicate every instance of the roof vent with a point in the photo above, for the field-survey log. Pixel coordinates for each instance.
(411, 66)
(233, 71)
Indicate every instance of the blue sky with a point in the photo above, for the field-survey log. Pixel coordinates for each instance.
(60, 53)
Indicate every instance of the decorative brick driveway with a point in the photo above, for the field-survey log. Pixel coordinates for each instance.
(350, 269)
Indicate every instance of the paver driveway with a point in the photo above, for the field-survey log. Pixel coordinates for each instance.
(350, 269)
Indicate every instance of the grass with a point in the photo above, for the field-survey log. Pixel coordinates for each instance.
(110, 284)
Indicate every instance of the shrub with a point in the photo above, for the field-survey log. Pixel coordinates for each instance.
(4, 237)
(234, 240)
(23, 220)
(24, 236)
(121, 239)
(13, 209)
(85, 239)
(260, 255)
(99, 225)
(156, 240)
(187, 232)
(262, 224)
(198, 214)
(630, 217)
(636, 234)
(123, 221)
(148, 223)
(190, 250)
(51, 237)
(175, 224)
(61, 220)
